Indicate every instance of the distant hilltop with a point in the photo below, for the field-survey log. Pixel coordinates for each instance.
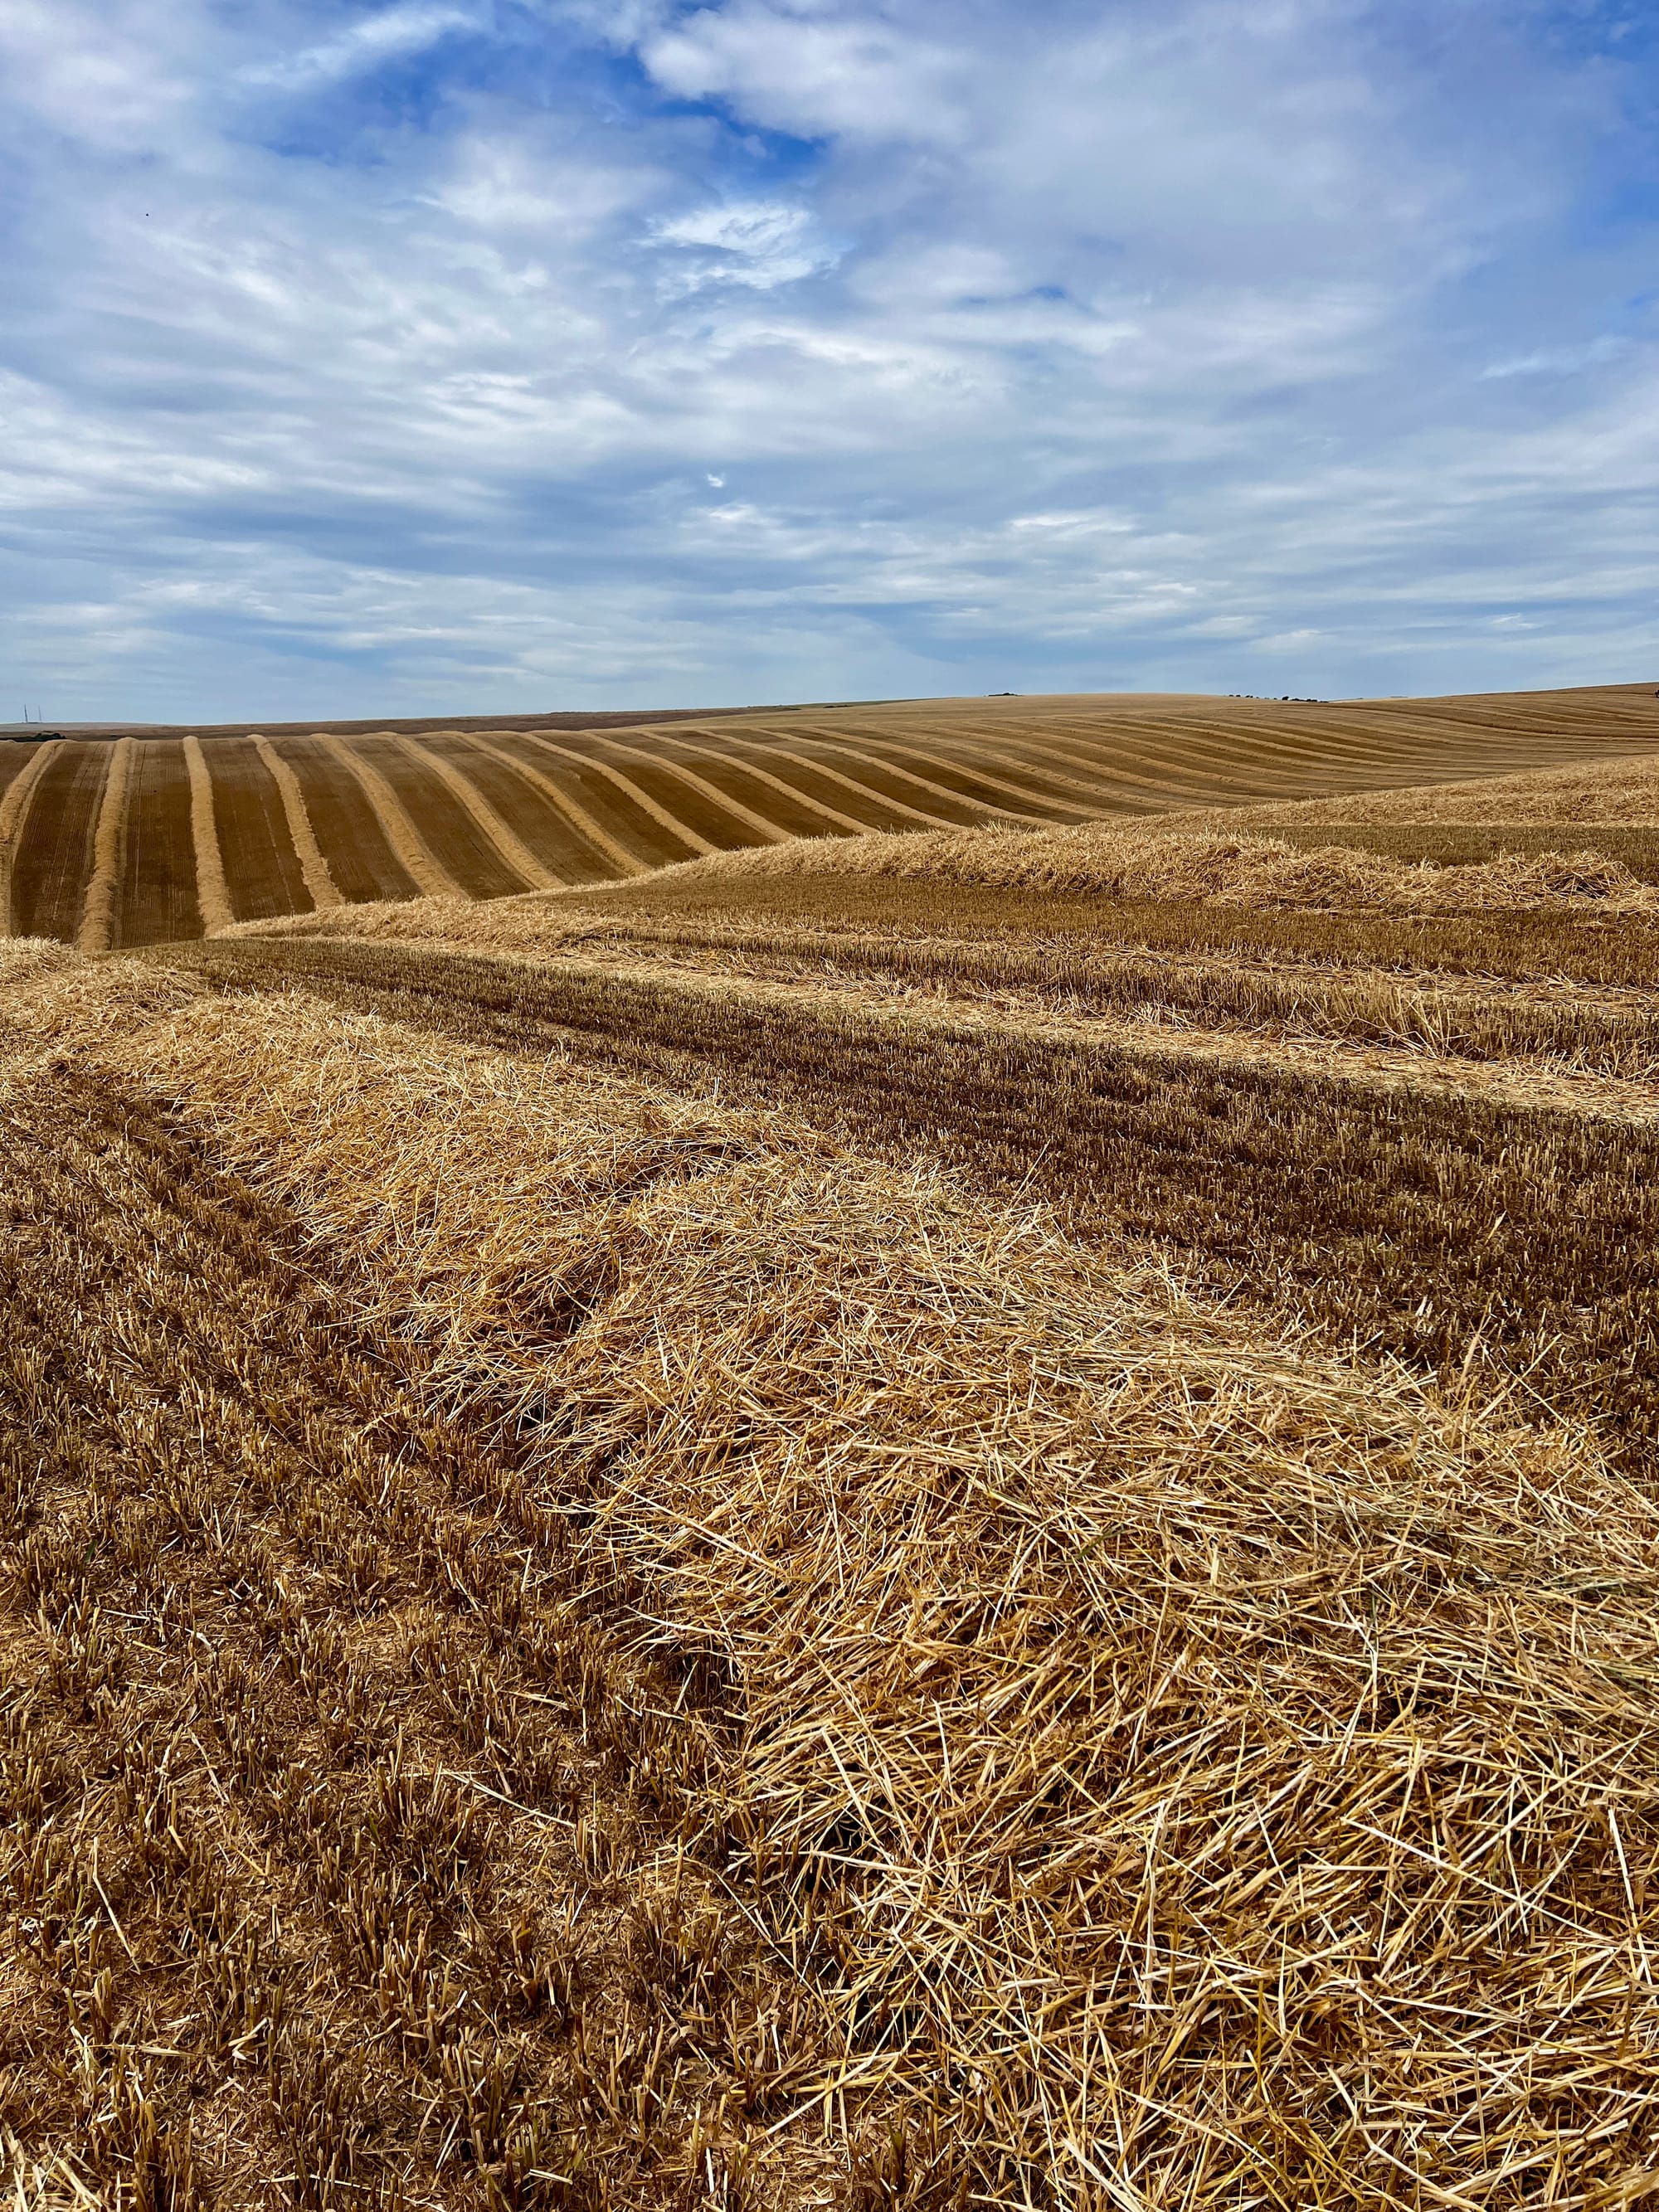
(134, 837)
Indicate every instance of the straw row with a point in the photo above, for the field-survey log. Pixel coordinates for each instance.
(314, 867)
(98, 905)
(212, 892)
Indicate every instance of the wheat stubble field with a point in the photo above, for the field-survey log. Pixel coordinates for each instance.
(146, 838)
(962, 1515)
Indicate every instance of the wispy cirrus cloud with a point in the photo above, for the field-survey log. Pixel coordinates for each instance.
(757, 244)
(390, 35)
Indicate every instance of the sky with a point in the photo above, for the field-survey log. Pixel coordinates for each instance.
(499, 355)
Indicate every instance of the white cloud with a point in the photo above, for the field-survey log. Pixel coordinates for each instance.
(371, 40)
(1558, 361)
(812, 70)
(1114, 348)
(755, 243)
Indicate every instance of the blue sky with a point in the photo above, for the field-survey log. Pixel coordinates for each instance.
(499, 354)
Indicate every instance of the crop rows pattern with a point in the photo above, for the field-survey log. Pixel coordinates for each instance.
(151, 839)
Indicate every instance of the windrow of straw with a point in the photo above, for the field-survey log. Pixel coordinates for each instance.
(1596, 1033)
(393, 816)
(1623, 792)
(98, 906)
(565, 802)
(632, 791)
(325, 892)
(322, 1878)
(501, 834)
(1103, 861)
(212, 892)
(1196, 1771)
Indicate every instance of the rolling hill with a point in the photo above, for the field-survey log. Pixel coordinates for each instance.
(957, 1519)
(111, 842)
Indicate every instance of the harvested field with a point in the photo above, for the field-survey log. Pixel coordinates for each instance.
(493, 808)
(1259, 870)
(666, 1650)
(156, 898)
(252, 820)
(952, 1522)
(212, 892)
(351, 839)
(1612, 791)
(22, 777)
(428, 825)
(53, 861)
(570, 844)
(1456, 844)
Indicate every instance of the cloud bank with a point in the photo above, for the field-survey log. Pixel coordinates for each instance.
(508, 355)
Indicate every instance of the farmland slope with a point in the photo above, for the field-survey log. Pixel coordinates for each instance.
(287, 822)
(957, 1519)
